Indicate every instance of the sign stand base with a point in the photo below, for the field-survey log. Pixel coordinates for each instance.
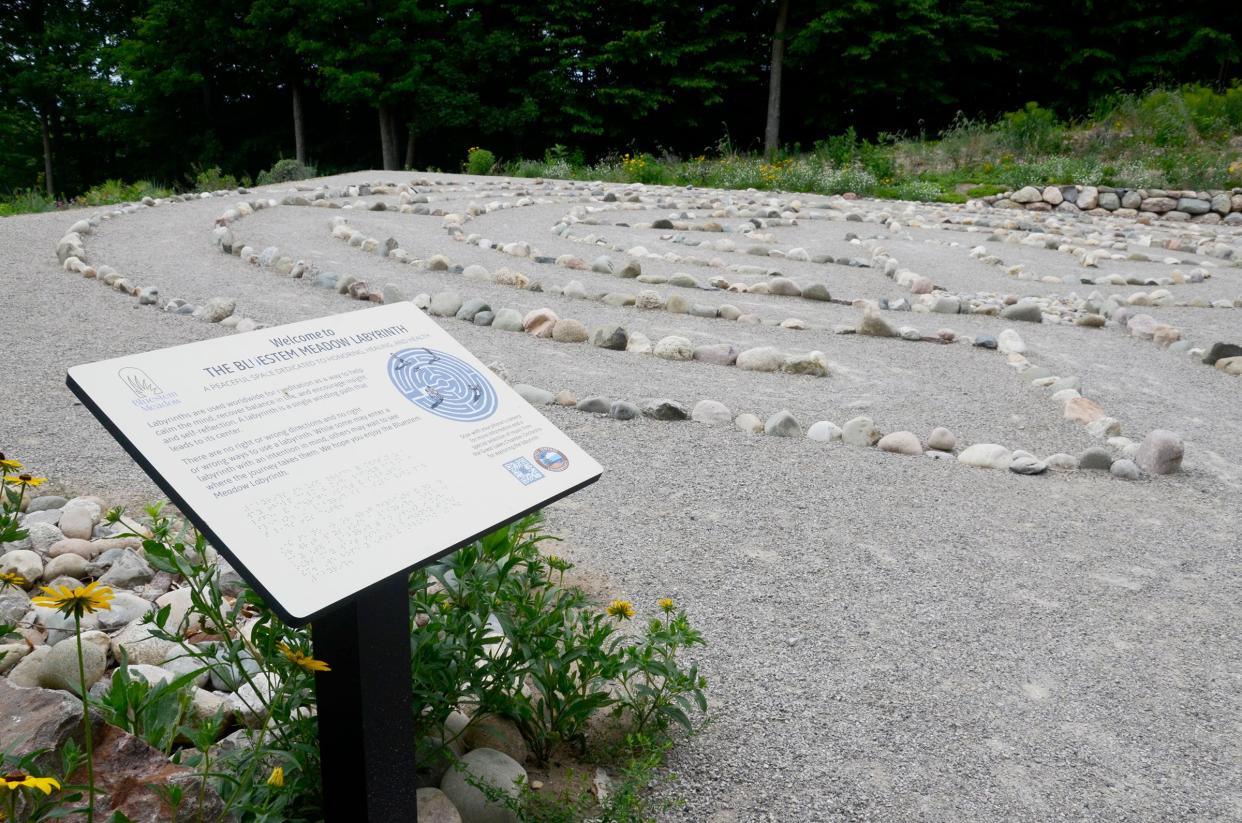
(365, 707)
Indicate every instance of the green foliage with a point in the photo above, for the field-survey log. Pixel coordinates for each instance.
(285, 170)
(479, 161)
(111, 192)
(211, 178)
(154, 713)
(25, 201)
(1032, 129)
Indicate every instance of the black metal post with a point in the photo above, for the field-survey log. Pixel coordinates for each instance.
(366, 721)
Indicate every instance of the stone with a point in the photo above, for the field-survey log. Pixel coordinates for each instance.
(860, 431)
(1026, 464)
(1027, 311)
(23, 562)
(1083, 410)
(565, 397)
(126, 607)
(494, 732)
(129, 570)
(14, 604)
(813, 363)
(1091, 321)
(823, 431)
(43, 536)
(445, 304)
(623, 410)
(594, 405)
(25, 674)
(874, 325)
(37, 719)
(569, 331)
(470, 309)
(46, 502)
(507, 320)
(720, 354)
(216, 309)
(1124, 469)
(816, 291)
(434, 806)
(901, 442)
(986, 456)
(673, 347)
(1096, 458)
(489, 767)
(677, 304)
(782, 424)
(60, 667)
(1193, 205)
(985, 341)
(748, 423)
(140, 646)
(1230, 365)
(1219, 351)
(1009, 342)
(711, 413)
(638, 343)
(1160, 453)
(941, 439)
(534, 396)
(630, 270)
(663, 409)
(438, 262)
(611, 337)
(1088, 198)
(764, 358)
(1104, 427)
(539, 322)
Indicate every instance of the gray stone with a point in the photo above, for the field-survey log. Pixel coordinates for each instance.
(986, 456)
(611, 337)
(24, 562)
(764, 358)
(711, 413)
(1096, 458)
(470, 308)
(860, 431)
(813, 363)
(824, 431)
(721, 354)
(1125, 469)
(484, 318)
(1160, 453)
(1220, 351)
(445, 303)
(128, 571)
(1026, 310)
(46, 502)
(941, 439)
(566, 330)
(594, 405)
(901, 442)
(1193, 205)
(748, 423)
(874, 325)
(985, 341)
(507, 320)
(782, 424)
(489, 767)
(1025, 464)
(125, 608)
(623, 410)
(434, 806)
(817, 291)
(60, 667)
(533, 395)
(663, 409)
(38, 719)
(216, 309)
(673, 347)
(630, 270)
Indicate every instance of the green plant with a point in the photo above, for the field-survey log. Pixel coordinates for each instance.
(155, 713)
(25, 201)
(657, 690)
(25, 795)
(479, 161)
(211, 178)
(285, 170)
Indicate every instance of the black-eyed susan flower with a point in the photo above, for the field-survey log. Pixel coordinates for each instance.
(8, 464)
(667, 605)
(622, 609)
(25, 480)
(76, 602)
(12, 580)
(304, 660)
(22, 780)
(277, 777)
(559, 563)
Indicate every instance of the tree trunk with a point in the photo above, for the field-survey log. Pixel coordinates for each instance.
(772, 131)
(47, 152)
(388, 143)
(409, 147)
(299, 124)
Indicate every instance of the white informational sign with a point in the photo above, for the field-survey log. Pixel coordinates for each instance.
(326, 455)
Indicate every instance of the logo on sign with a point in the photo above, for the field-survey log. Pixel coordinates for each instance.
(139, 382)
(524, 471)
(442, 384)
(551, 459)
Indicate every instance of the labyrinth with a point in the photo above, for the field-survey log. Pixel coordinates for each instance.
(951, 489)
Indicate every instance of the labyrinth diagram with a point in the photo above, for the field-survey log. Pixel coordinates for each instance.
(442, 384)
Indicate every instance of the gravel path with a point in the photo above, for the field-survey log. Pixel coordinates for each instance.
(891, 638)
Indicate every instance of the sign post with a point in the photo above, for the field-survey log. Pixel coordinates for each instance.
(326, 459)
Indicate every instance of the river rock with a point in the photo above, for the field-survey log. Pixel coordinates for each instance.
(569, 331)
(986, 456)
(860, 431)
(1160, 453)
(663, 409)
(611, 337)
(763, 358)
(941, 439)
(782, 424)
(901, 442)
(539, 322)
(489, 767)
(711, 413)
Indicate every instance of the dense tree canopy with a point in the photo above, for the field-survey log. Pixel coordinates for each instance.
(155, 88)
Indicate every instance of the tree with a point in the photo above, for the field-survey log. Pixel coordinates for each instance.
(772, 129)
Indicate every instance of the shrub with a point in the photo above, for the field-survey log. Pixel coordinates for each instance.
(25, 201)
(1031, 129)
(111, 192)
(479, 161)
(211, 178)
(285, 170)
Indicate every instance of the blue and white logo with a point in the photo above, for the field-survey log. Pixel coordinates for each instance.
(442, 384)
(524, 471)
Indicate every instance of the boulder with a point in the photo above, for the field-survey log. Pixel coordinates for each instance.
(782, 424)
(1160, 453)
(489, 767)
(900, 443)
(986, 456)
(860, 431)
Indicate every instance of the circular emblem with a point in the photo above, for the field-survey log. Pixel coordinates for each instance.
(551, 459)
(442, 384)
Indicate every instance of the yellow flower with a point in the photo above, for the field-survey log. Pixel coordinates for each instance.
(667, 605)
(277, 777)
(76, 602)
(25, 480)
(13, 580)
(21, 780)
(305, 661)
(11, 465)
(623, 609)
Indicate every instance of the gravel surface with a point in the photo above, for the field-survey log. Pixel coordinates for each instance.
(890, 638)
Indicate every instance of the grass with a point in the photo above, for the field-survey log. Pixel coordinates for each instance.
(1167, 138)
